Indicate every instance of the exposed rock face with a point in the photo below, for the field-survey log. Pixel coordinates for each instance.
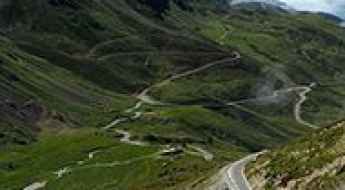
(19, 121)
(29, 111)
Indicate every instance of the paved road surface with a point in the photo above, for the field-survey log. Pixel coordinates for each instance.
(236, 176)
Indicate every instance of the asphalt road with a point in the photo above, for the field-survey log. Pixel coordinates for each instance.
(235, 174)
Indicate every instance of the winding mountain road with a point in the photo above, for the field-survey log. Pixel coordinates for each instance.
(302, 93)
(233, 175)
(127, 138)
(143, 97)
(298, 106)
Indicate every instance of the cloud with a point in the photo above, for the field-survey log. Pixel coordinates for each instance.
(336, 7)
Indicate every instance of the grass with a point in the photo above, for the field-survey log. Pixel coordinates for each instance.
(23, 165)
(305, 156)
(131, 48)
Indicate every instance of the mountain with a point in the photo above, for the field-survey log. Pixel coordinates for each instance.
(144, 94)
(342, 24)
(314, 162)
(276, 5)
(263, 4)
(331, 17)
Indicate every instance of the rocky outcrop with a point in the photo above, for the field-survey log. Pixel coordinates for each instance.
(28, 111)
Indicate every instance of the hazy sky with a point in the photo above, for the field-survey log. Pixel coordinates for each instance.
(336, 7)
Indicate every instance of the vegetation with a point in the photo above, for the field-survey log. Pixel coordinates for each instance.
(69, 68)
(313, 162)
(141, 167)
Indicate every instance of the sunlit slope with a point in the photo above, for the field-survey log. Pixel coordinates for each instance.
(313, 162)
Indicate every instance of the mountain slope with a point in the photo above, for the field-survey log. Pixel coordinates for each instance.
(280, 50)
(313, 162)
(79, 50)
(36, 93)
(97, 87)
(123, 48)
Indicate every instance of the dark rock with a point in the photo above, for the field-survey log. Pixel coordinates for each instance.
(59, 117)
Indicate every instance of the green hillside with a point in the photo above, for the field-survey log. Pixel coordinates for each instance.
(69, 68)
(313, 162)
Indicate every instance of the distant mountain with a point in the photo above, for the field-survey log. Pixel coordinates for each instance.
(342, 24)
(265, 4)
(331, 17)
(276, 5)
